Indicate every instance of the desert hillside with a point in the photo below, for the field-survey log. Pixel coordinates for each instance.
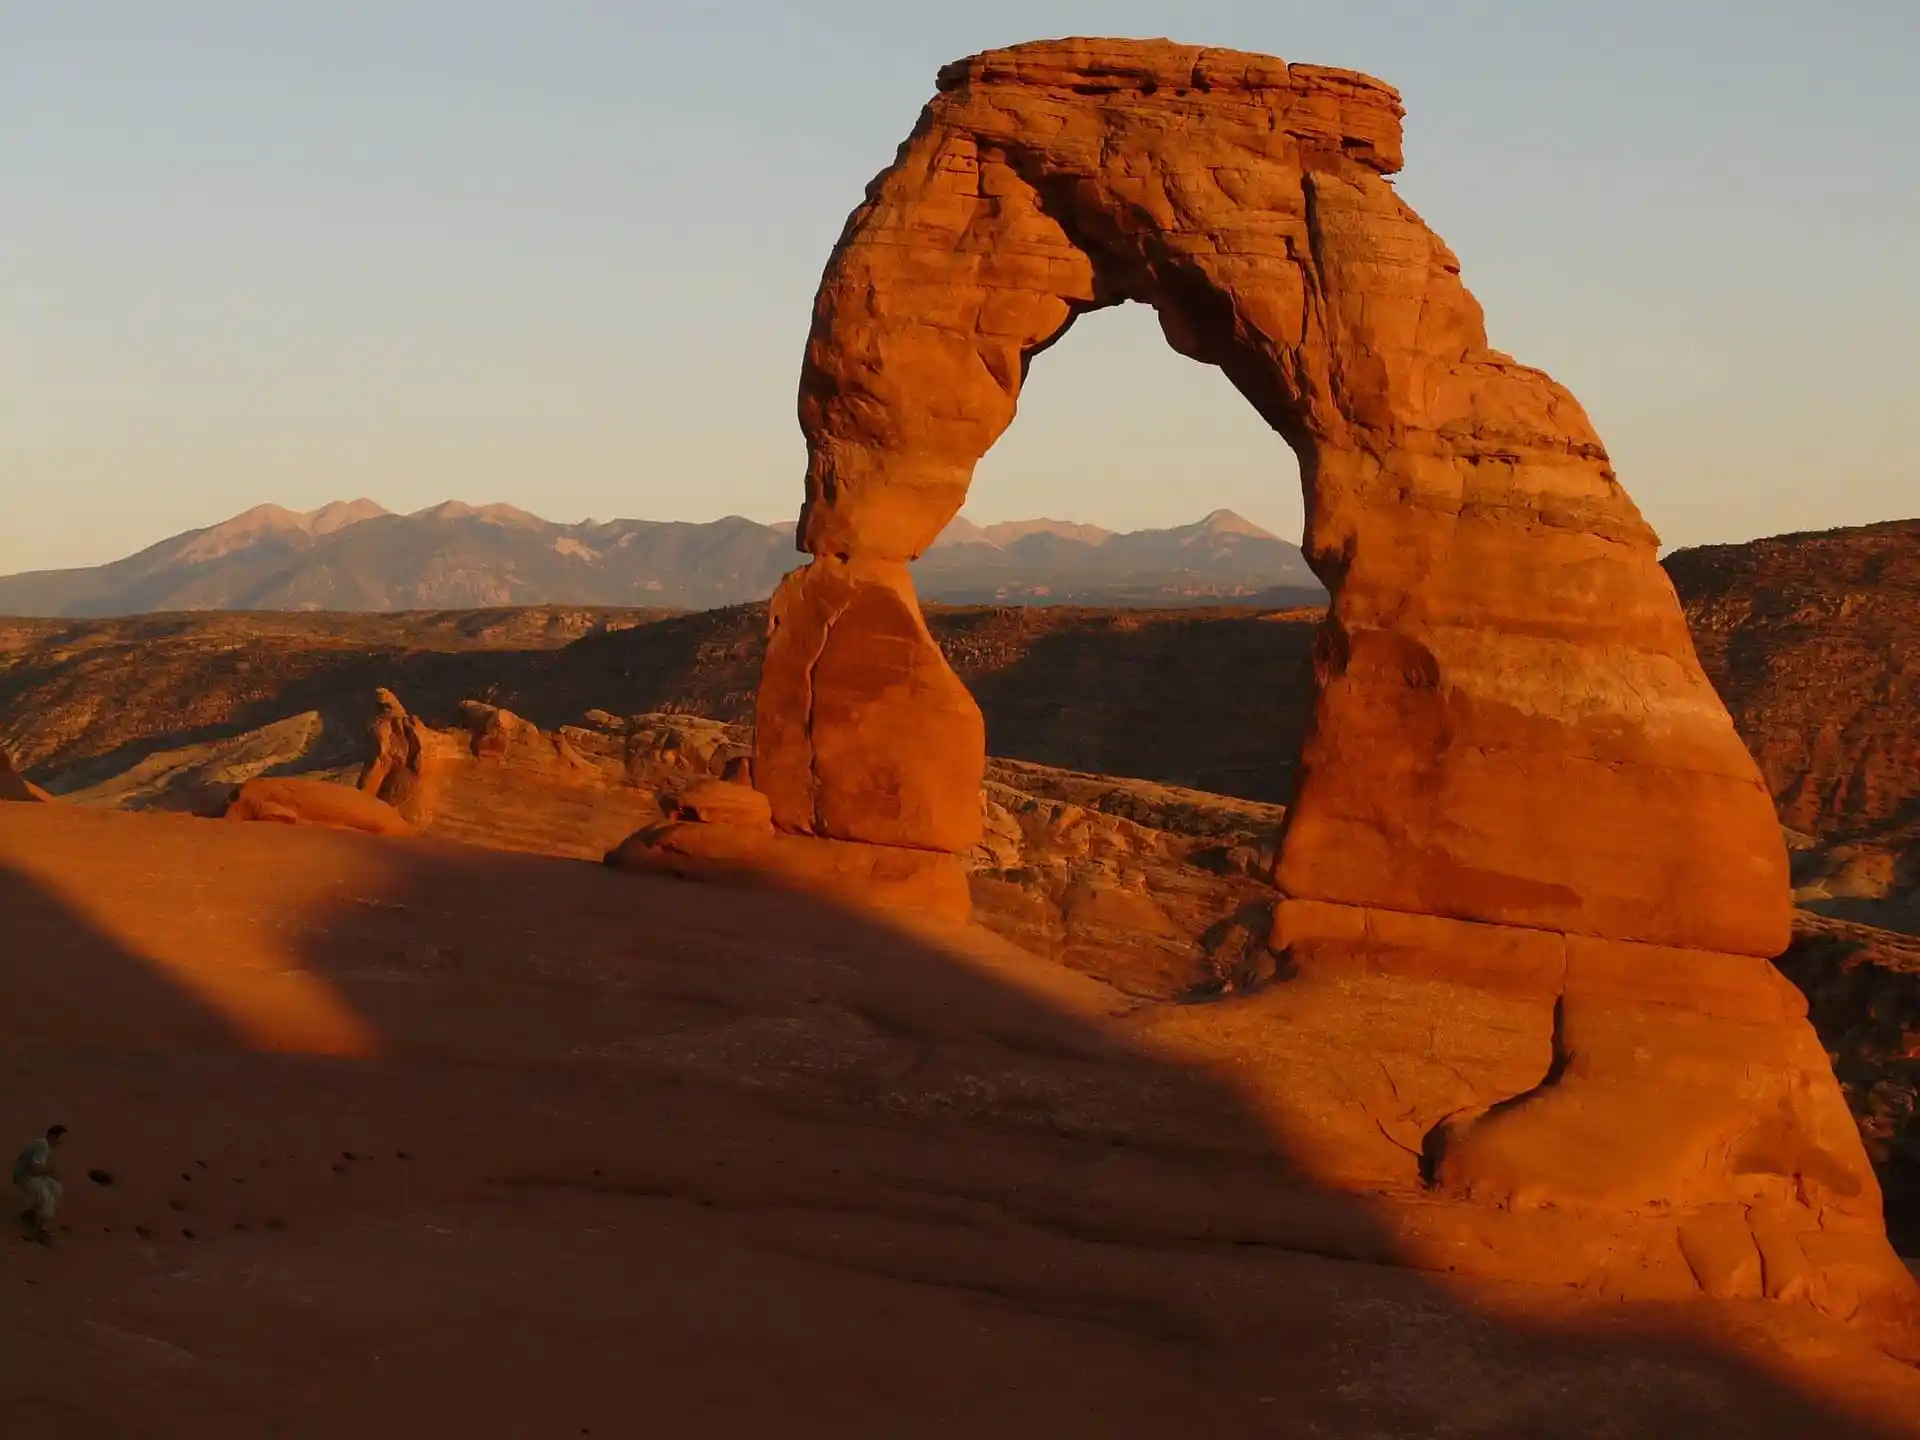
(1813, 641)
(1212, 699)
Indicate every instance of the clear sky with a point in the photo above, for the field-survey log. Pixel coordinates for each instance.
(561, 254)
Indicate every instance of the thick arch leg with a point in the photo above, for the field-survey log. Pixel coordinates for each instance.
(866, 734)
(950, 276)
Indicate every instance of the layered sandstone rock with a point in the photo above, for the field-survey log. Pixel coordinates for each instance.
(1530, 875)
(923, 883)
(1159, 892)
(499, 781)
(295, 801)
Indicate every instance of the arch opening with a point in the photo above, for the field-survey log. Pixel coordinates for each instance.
(1116, 429)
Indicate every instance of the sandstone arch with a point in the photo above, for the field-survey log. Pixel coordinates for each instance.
(1525, 831)
(1503, 641)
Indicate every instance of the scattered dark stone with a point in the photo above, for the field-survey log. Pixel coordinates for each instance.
(401, 1155)
(188, 1235)
(100, 1177)
(242, 1226)
(179, 1205)
(202, 1164)
(274, 1222)
(143, 1232)
(339, 1168)
(184, 1175)
(348, 1155)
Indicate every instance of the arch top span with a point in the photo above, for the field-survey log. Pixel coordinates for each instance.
(1510, 721)
(1053, 178)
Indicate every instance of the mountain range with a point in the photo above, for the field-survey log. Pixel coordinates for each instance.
(358, 556)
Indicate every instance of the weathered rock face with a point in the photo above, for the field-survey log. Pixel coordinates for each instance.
(1160, 892)
(863, 730)
(1529, 874)
(1814, 642)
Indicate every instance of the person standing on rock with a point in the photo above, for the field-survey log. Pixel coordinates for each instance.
(34, 1178)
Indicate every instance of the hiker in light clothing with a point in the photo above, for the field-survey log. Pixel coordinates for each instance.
(34, 1178)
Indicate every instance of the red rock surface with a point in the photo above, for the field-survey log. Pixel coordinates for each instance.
(1529, 874)
(723, 802)
(862, 730)
(883, 877)
(500, 781)
(294, 801)
(414, 1139)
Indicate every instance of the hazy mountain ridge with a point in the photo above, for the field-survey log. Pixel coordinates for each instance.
(358, 556)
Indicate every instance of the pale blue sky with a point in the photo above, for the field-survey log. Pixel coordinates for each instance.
(561, 254)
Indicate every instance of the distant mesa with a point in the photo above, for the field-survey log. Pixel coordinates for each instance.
(356, 555)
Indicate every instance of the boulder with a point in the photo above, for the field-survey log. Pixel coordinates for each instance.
(923, 883)
(315, 802)
(723, 802)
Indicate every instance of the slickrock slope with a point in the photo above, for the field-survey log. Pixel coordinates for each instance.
(1530, 879)
(1160, 890)
(411, 1139)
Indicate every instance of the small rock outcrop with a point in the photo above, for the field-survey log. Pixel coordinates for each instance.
(293, 801)
(497, 780)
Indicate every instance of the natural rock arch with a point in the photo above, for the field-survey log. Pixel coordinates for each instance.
(1511, 725)
(1530, 875)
